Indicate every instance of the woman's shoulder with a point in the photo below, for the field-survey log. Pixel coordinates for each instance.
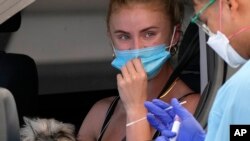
(100, 108)
(107, 100)
(192, 101)
(92, 123)
(104, 103)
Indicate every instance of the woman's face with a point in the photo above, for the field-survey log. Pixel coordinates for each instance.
(139, 26)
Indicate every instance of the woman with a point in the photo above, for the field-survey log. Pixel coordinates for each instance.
(142, 33)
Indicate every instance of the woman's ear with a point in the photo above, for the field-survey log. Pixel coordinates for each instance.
(110, 38)
(108, 34)
(111, 43)
(177, 34)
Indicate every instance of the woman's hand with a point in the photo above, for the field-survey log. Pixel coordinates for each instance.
(132, 85)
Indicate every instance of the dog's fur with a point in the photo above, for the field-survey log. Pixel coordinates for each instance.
(40, 129)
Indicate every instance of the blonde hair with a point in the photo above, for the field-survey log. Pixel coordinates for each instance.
(174, 9)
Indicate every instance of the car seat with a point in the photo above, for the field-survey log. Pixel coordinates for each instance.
(9, 123)
(18, 74)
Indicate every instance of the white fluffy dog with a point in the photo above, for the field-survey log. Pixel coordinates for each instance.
(39, 129)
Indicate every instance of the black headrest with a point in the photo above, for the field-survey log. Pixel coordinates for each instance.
(18, 73)
(12, 24)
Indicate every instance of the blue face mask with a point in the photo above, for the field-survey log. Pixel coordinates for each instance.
(152, 58)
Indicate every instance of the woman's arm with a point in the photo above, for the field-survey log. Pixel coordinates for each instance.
(138, 128)
(132, 87)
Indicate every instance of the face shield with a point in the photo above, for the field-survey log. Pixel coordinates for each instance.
(195, 19)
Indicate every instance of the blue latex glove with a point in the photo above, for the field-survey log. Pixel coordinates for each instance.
(160, 119)
(190, 129)
(157, 117)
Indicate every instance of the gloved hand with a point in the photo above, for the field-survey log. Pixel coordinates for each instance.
(190, 129)
(157, 116)
(162, 120)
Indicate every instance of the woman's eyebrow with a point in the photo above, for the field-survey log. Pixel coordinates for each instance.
(142, 30)
(148, 28)
(121, 31)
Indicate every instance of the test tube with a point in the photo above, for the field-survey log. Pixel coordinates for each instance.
(175, 127)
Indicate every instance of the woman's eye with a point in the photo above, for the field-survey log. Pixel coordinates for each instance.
(149, 34)
(123, 37)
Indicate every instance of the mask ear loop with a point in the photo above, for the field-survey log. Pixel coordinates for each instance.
(220, 15)
(238, 32)
(113, 48)
(171, 47)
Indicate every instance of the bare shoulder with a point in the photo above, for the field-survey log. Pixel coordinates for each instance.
(92, 123)
(192, 102)
(103, 103)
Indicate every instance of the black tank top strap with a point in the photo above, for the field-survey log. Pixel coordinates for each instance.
(157, 133)
(109, 113)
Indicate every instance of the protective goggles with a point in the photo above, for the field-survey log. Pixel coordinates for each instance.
(196, 19)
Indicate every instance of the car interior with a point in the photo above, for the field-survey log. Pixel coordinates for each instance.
(52, 65)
